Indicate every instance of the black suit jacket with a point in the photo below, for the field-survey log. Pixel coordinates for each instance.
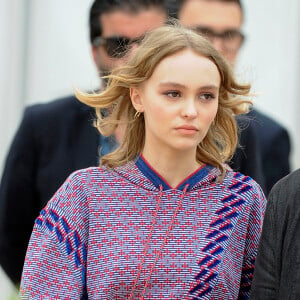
(275, 147)
(247, 158)
(53, 140)
(277, 266)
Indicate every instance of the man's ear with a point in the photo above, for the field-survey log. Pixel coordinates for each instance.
(136, 99)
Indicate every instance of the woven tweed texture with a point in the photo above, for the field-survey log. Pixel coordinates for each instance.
(89, 240)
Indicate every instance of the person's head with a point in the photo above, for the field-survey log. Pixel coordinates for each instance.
(185, 92)
(219, 20)
(116, 25)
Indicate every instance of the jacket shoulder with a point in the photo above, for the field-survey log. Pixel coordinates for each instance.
(57, 115)
(286, 192)
(263, 120)
(61, 106)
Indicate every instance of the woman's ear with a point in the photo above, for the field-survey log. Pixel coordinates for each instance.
(136, 99)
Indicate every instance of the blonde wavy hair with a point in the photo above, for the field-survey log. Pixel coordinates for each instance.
(220, 142)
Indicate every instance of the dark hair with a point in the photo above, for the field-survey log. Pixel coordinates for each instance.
(100, 7)
(176, 5)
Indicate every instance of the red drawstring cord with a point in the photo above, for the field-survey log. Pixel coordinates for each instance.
(170, 227)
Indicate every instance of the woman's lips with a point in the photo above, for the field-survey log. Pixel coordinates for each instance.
(187, 129)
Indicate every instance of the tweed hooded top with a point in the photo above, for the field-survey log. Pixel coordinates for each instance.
(124, 233)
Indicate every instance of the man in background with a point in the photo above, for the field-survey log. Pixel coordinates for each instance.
(58, 138)
(221, 22)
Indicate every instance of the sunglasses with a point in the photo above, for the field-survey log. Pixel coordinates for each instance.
(231, 39)
(116, 46)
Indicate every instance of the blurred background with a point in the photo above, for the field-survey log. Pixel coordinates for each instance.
(45, 52)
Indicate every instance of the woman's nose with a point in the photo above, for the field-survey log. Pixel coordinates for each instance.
(189, 109)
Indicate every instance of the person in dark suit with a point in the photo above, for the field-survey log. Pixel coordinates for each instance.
(275, 146)
(221, 22)
(57, 138)
(277, 274)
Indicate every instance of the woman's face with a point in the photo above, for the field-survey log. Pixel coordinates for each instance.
(179, 101)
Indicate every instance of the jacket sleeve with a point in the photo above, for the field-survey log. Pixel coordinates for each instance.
(254, 229)
(277, 165)
(18, 207)
(55, 263)
(265, 279)
(247, 158)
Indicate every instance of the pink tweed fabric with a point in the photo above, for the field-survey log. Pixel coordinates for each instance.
(89, 241)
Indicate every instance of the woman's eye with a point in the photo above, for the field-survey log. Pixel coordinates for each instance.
(172, 94)
(207, 96)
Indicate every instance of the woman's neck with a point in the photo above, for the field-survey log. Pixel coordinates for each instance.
(173, 167)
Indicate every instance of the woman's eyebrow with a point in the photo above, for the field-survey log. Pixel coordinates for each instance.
(173, 84)
(179, 85)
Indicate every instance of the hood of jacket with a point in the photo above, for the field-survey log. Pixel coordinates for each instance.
(141, 173)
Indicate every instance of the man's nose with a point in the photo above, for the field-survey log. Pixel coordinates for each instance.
(218, 44)
(132, 48)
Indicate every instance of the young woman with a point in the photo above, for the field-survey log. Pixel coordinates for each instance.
(162, 217)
